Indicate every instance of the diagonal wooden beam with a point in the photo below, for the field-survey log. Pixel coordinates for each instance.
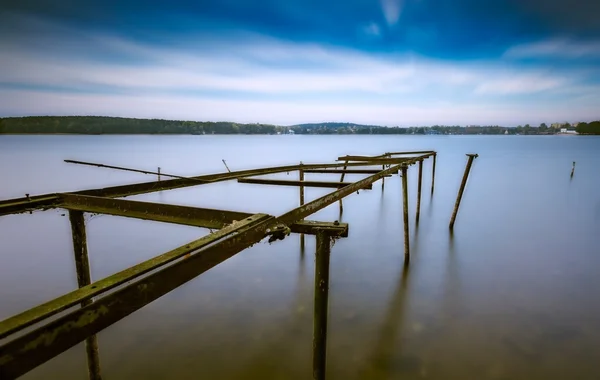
(260, 181)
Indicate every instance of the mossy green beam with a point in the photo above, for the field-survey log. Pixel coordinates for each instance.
(280, 182)
(40, 345)
(48, 201)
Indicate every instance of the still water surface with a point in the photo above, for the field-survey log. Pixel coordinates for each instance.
(512, 295)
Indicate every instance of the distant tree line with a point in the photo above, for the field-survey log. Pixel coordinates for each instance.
(97, 125)
(592, 128)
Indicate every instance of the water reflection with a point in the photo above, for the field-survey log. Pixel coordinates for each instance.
(386, 357)
(285, 344)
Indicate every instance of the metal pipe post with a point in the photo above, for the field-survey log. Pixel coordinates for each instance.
(82, 266)
(433, 173)
(462, 188)
(321, 300)
(405, 211)
(301, 174)
(419, 190)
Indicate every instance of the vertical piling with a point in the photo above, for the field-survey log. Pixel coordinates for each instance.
(405, 211)
(419, 190)
(462, 188)
(159, 173)
(342, 180)
(382, 179)
(321, 300)
(301, 175)
(433, 173)
(82, 266)
(573, 169)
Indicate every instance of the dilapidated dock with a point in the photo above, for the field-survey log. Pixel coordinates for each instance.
(35, 336)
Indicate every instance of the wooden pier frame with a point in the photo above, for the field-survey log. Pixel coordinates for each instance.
(36, 335)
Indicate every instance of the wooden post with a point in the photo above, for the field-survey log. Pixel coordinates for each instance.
(342, 180)
(159, 173)
(405, 211)
(383, 179)
(419, 190)
(82, 266)
(462, 188)
(321, 300)
(301, 174)
(433, 173)
(573, 169)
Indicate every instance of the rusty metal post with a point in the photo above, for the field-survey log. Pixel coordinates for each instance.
(405, 211)
(321, 300)
(342, 180)
(82, 266)
(433, 173)
(462, 188)
(159, 173)
(419, 190)
(301, 174)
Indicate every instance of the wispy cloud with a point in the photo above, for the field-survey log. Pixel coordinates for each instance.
(249, 77)
(560, 47)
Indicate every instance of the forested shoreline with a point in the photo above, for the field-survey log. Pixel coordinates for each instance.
(99, 125)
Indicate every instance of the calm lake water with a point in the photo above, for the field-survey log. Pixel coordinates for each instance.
(513, 295)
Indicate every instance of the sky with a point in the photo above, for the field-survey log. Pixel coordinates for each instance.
(386, 62)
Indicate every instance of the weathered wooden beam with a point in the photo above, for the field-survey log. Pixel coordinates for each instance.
(48, 309)
(29, 203)
(185, 215)
(374, 161)
(349, 171)
(279, 182)
(40, 345)
(415, 152)
(320, 203)
(47, 201)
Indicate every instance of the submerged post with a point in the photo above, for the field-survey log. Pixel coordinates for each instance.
(433, 173)
(405, 211)
(301, 175)
(573, 169)
(419, 190)
(321, 300)
(82, 266)
(462, 188)
(382, 179)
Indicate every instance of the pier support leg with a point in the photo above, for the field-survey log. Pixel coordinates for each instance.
(405, 211)
(159, 173)
(433, 173)
(301, 174)
(419, 190)
(383, 179)
(321, 300)
(82, 266)
(462, 188)
(342, 180)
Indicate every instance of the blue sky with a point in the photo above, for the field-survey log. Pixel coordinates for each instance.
(388, 62)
